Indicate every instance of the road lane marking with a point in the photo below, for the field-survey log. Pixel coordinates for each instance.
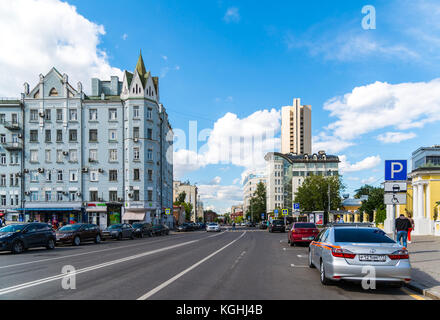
(177, 276)
(89, 252)
(413, 295)
(238, 259)
(92, 268)
(294, 266)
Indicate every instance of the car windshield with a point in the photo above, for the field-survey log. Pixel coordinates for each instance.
(305, 226)
(115, 226)
(137, 225)
(370, 235)
(213, 224)
(279, 222)
(13, 228)
(72, 227)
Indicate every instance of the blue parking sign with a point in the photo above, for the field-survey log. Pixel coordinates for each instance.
(275, 211)
(396, 170)
(296, 206)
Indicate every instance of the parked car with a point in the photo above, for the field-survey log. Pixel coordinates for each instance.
(119, 231)
(75, 234)
(20, 237)
(213, 227)
(277, 225)
(160, 230)
(142, 229)
(302, 232)
(201, 226)
(342, 253)
(250, 224)
(185, 227)
(262, 225)
(193, 226)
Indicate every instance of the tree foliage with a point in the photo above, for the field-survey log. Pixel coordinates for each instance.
(375, 202)
(188, 206)
(257, 204)
(312, 195)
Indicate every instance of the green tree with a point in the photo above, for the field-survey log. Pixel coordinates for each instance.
(188, 210)
(312, 195)
(375, 202)
(363, 191)
(180, 199)
(257, 204)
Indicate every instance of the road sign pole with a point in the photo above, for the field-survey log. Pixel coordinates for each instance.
(394, 222)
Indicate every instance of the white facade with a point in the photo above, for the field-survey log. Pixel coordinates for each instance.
(296, 128)
(191, 197)
(250, 183)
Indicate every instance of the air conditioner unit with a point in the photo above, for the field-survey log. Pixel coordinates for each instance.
(100, 199)
(65, 193)
(85, 170)
(100, 170)
(78, 194)
(19, 174)
(92, 160)
(27, 193)
(26, 170)
(119, 199)
(20, 136)
(131, 188)
(40, 170)
(130, 195)
(65, 153)
(136, 139)
(41, 114)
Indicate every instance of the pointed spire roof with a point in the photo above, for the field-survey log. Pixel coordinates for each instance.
(140, 68)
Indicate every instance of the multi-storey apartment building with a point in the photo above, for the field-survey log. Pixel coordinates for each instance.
(99, 158)
(250, 183)
(296, 128)
(192, 197)
(287, 172)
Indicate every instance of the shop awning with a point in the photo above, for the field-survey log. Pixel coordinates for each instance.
(136, 216)
(96, 209)
(48, 209)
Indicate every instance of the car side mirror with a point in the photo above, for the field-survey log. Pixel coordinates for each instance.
(24, 231)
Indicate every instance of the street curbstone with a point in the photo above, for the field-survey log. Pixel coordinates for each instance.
(417, 287)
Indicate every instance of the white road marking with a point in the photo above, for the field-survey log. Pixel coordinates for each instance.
(300, 256)
(177, 276)
(238, 259)
(294, 266)
(89, 252)
(91, 268)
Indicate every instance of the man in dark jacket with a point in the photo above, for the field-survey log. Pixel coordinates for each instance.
(402, 226)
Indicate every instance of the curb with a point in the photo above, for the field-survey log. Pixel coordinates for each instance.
(415, 286)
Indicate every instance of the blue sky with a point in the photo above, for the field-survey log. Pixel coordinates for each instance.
(243, 57)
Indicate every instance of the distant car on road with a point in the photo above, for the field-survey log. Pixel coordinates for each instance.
(142, 229)
(250, 224)
(262, 225)
(213, 227)
(277, 225)
(341, 252)
(184, 227)
(201, 226)
(20, 237)
(160, 230)
(78, 233)
(302, 232)
(119, 231)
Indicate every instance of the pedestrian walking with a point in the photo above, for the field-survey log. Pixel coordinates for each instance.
(402, 226)
(410, 229)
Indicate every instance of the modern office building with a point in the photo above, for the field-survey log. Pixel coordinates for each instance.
(287, 172)
(191, 197)
(426, 157)
(296, 128)
(101, 158)
(250, 183)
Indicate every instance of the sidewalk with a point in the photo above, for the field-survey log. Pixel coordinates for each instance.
(425, 261)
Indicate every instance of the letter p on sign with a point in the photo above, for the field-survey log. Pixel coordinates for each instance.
(396, 170)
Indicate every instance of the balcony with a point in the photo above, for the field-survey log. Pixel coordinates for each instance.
(12, 146)
(11, 126)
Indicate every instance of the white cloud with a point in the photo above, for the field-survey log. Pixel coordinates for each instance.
(237, 180)
(240, 142)
(365, 164)
(396, 137)
(232, 15)
(40, 34)
(124, 36)
(369, 180)
(216, 181)
(165, 58)
(329, 144)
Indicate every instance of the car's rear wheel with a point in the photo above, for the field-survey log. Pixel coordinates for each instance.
(76, 241)
(324, 279)
(132, 236)
(50, 244)
(119, 237)
(98, 239)
(17, 247)
(292, 244)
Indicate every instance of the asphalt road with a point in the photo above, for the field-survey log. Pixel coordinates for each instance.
(245, 264)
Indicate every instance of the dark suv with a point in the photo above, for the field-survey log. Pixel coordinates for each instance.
(142, 229)
(119, 231)
(277, 225)
(77, 233)
(20, 237)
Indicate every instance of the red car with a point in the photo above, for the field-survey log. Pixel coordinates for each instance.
(302, 232)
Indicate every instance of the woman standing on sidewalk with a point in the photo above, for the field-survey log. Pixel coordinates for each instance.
(411, 220)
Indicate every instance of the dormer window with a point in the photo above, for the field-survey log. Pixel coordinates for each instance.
(53, 92)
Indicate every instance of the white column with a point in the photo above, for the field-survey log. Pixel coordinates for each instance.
(415, 209)
(420, 206)
(427, 204)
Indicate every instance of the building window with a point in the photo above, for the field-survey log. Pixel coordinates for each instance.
(34, 176)
(93, 135)
(59, 135)
(93, 196)
(136, 175)
(93, 155)
(34, 115)
(73, 176)
(135, 154)
(48, 196)
(59, 114)
(34, 135)
(14, 158)
(60, 196)
(150, 155)
(93, 114)
(150, 195)
(113, 155)
(150, 175)
(73, 114)
(113, 175)
(47, 115)
(136, 112)
(150, 134)
(49, 175)
(2, 118)
(149, 113)
(2, 138)
(60, 175)
(135, 132)
(72, 196)
(47, 136)
(47, 155)
(3, 200)
(113, 196)
(73, 155)
(3, 158)
(73, 136)
(112, 114)
(59, 155)
(94, 176)
(3, 180)
(112, 135)
(34, 155)
(136, 195)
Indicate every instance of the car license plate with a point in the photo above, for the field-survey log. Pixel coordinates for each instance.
(308, 238)
(372, 257)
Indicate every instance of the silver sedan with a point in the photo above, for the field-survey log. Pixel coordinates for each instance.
(344, 252)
